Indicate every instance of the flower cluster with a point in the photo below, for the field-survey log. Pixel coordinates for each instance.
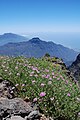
(43, 82)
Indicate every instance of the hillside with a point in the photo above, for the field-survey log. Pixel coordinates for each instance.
(75, 68)
(44, 81)
(37, 48)
(10, 37)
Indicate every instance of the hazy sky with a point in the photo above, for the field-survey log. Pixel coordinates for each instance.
(39, 16)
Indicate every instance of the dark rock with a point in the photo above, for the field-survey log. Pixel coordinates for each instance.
(7, 89)
(14, 106)
(33, 115)
(16, 118)
(75, 68)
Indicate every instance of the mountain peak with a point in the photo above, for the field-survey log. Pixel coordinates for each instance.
(35, 40)
(11, 37)
(9, 34)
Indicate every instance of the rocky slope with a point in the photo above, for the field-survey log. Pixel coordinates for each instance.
(14, 108)
(75, 68)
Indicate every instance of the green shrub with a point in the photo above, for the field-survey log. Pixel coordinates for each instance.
(47, 55)
(44, 83)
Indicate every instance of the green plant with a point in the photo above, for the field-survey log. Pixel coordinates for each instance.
(47, 55)
(45, 83)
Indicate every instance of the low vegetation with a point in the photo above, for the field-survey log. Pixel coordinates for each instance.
(44, 82)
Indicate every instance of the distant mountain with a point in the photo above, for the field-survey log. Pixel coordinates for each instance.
(75, 68)
(10, 37)
(37, 48)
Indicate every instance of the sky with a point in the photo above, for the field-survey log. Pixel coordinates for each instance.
(41, 17)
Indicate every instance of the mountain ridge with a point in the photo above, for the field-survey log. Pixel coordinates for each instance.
(38, 48)
(11, 37)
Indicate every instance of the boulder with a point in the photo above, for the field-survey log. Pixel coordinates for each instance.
(16, 106)
(7, 89)
(16, 118)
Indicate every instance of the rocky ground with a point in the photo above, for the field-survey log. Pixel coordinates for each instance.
(75, 68)
(14, 108)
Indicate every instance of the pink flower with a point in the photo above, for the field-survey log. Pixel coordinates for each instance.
(49, 83)
(54, 76)
(52, 73)
(37, 71)
(63, 79)
(47, 76)
(42, 94)
(29, 66)
(16, 67)
(58, 78)
(71, 85)
(52, 98)
(42, 84)
(18, 74)
(34, 68)
(31, 74)
(66, 81)
(16, 85)
(23, 85)
(43, 76)
(46, 70)
(35, 99)
(36, 75)
(69, 94)
(79, 114)
(33, 81)
(25, 65)
(50, 78)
